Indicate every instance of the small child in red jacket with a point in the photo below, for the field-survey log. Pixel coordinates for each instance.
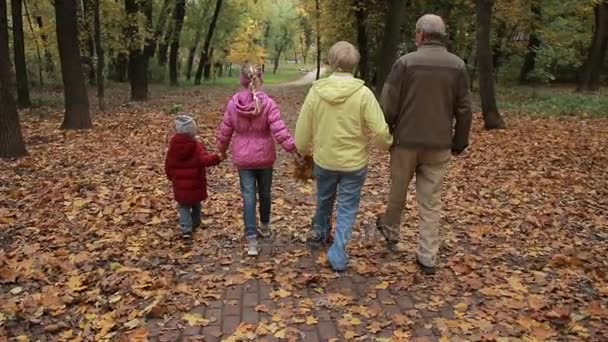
(185, 167)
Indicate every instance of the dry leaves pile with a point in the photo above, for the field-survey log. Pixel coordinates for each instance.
(89, 244)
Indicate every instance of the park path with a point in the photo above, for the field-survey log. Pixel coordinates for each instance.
(289, 292)
(304, 80)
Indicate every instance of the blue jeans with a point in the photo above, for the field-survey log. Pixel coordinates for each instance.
(255, 183)
(189, 216)
(345, 187)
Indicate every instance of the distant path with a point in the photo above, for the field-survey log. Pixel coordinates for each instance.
(304, 80)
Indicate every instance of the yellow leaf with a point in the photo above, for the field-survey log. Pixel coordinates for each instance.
(382, 286)
(261, 308)
(75, 283)
(516, 284)
(22, 338)
(195, 320)
(280, 293)
(132, 324)
(311, 320)
(139, 335)
(349, 335)
(281, 334)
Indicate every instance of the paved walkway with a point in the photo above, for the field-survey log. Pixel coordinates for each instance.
(308, 303)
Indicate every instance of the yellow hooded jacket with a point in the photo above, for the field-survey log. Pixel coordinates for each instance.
(335, 117)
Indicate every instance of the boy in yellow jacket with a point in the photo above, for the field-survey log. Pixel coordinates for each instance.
(334, 119)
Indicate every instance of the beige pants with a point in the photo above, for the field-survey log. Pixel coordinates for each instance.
(429, 166)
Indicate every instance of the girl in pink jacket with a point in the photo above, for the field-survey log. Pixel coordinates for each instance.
(254, 119)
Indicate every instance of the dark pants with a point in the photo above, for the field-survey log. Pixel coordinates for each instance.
(255, 183)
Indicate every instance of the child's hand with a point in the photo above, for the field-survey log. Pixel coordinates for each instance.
(222, 156)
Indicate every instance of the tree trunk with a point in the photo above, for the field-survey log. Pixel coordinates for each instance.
(121, 67)
(179, 13)
(158, 31)
(590, 78)
(77, 114)
(205, 51)
(163, 47)
(101, 103)
(138, 61)
(38, 54)
(277, 59)
(530, 60)
(87, 7)
(318, 8)
(50, 66)
(390, 42)
(208, 65)
(491, 116)
(23, 89)
(192, 51)
(11, 140)
(360, 17)
(302, 45)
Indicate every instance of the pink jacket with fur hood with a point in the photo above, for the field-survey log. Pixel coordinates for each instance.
(254, 130)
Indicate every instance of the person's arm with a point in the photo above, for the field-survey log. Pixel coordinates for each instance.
(207, 159)
(374, 120)
(278, 128)
(462, 113)
(304, 125)
(225, 131)
(391, 93)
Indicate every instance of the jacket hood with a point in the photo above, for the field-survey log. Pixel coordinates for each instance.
(244, 103)
(182, 146)
(337, 88)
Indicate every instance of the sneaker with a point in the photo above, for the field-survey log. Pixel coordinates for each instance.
(264, 230)
(426, 270)
(252, 247)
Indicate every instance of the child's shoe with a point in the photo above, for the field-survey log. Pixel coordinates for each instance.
(252, 247)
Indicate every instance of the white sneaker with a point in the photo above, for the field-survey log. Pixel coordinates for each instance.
(264, 230)
(252, 247)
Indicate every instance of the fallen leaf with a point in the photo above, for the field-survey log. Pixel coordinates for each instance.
(280, 293)
(194, 319)
(311, 320)
(261, 308)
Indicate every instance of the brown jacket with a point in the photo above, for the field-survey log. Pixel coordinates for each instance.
(425, 91)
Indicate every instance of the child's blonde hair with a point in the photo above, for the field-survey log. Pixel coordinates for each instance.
(251, 77)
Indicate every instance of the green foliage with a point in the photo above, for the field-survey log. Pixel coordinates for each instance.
(174, 109)
(552, 101)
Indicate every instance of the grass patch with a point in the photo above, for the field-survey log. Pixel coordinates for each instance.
(552, 101)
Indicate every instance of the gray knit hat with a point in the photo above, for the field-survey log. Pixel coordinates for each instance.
(185, 124)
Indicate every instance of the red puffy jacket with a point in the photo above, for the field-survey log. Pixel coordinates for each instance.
(185, 167)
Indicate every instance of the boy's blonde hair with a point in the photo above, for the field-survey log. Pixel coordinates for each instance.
(343, 56)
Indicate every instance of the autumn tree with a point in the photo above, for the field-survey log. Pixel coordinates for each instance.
(76, 100)
(23, 90)
(533, 44)
(390, 41)
(491, 116)
(11, 140)
(204, 56)
(245, 48)
(178, 17)
(590, 78)
(99, 53)
(360, 7)
(138, 60)
(318, 25)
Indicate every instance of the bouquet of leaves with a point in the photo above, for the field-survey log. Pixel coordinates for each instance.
(303, 168)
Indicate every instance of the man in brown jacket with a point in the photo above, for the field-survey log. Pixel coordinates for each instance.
(424, 94)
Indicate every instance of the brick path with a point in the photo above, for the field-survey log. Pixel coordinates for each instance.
(343, 306)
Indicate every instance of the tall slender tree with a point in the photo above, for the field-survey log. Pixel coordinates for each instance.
(138, 60)
(533, 44)
(160, 27)
(38, 54)
(178, 16)
(50, 65)
(204, 58)
(163, 46)
(390, 41)
(11, 140)
(101, 103)
(590, 78)
(77, 115)
(361, 23)
(491, 116)
(23, 89)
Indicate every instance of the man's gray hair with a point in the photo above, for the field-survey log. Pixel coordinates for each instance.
(431, 25)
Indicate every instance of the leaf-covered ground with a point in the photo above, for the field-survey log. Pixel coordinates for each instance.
(89, 245)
